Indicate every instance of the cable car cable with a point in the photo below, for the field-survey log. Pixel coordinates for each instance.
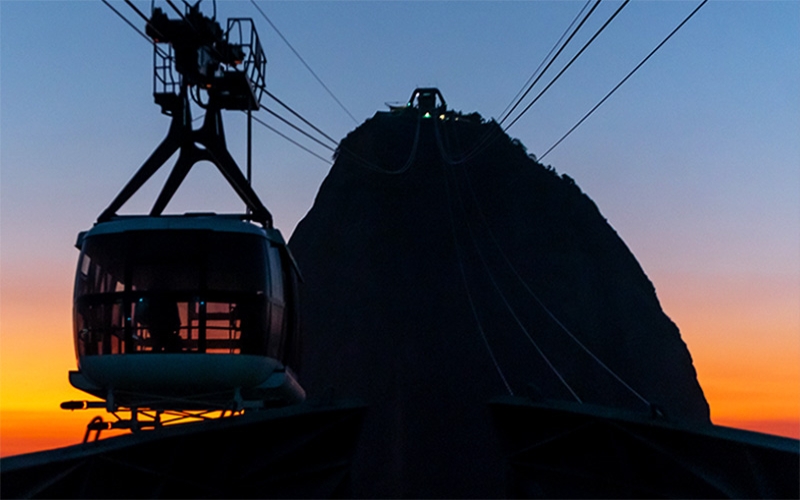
(546, 57)
(376, 168)
(574, 58)
(261, 122)
(552, 49)
(365, 163)
(145, 18)
(538, 300)
(530, 87)
(183, 17)
(553, 316)
(264, 15)
(508, 305)
(489, 137)
(193, 27)
(496, 286)
(634, 70)
(287, 122)
(298, 115)
(161, 52)
(466, 286)
(137, 30)
(534, 296)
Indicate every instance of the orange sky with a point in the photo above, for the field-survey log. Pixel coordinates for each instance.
(742, 333)
(744, 336)
(694, 161)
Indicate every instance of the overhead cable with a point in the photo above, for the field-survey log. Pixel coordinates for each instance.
(536, 71)
(406, 166)
(295, 113)
(264, 15)
(489, 272)
(287, 122)
(508, 305)
(624, 79)
(137, 30)
(491, 136)
(466, 287)
(191, 25)
(178, 11)
(530, 87)
(141, 14)
(262, 122)
(536, 298)
(575, 57)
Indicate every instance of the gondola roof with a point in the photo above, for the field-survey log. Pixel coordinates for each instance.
(205, 222)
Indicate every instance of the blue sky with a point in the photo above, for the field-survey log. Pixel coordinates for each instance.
(695, 161)
(703, 135)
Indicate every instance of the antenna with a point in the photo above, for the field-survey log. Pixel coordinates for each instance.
(193, 56)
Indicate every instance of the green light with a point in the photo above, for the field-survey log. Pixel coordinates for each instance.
(426, 115)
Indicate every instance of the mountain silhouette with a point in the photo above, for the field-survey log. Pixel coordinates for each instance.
(444, 266)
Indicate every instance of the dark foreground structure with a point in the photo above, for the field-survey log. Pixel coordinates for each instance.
(504, 340)
(444, 267)
(550, 449)
(296, 452)
(564, 450)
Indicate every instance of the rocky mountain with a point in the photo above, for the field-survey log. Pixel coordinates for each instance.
(444, 266)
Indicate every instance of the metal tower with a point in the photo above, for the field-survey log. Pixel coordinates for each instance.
(193, 57)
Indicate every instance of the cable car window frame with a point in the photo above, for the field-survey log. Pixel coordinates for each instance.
(98, 288)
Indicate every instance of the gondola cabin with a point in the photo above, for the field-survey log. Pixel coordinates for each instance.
(193, 312)
(186, 311)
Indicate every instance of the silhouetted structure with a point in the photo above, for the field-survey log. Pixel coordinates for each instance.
(447, 271)
(193, 312)
(412, 210)
(301, 451)
(567, 450)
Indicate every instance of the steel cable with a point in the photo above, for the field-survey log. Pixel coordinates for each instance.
(497, 286)
(264, 15)
(298, 115)
(137, 30)
(261, 122)
(376, 168)
(530, 87)
(287, 122)
(574, 58)
(634, 70)
(466, 286)
(538, 300)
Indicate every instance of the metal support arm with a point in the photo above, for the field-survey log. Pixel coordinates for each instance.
(181, 136)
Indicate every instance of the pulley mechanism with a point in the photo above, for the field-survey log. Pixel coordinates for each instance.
(194, 57)
(422, 101)
(179, 316)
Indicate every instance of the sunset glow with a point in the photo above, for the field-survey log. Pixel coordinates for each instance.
(693, 162)
(743, 337)
(746, 362)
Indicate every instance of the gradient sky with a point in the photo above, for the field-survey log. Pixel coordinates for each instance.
(695, 161)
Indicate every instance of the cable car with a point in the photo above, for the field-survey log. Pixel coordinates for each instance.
(186, 311)
(194, 311)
